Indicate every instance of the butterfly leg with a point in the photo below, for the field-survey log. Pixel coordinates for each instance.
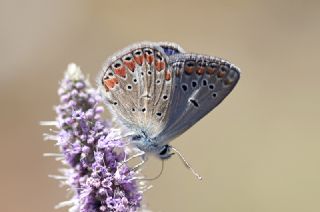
(115, 134)
(132, 157)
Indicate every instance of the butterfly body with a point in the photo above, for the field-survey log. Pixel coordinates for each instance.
(158, 91)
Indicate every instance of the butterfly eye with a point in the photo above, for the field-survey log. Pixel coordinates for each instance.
(163, 151)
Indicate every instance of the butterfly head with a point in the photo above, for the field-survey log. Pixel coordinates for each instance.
(165, 152)
(146, 144)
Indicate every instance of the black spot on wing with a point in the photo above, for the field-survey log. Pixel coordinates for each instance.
(194, 102)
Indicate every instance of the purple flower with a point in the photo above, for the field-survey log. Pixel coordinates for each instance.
(96, 173)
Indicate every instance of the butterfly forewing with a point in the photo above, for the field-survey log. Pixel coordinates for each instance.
(200, 84)
(137, 84)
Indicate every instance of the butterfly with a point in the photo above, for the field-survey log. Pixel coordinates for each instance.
(158, 91)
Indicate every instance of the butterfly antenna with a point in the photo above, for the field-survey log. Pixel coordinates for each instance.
(186, 163)
(156, 177)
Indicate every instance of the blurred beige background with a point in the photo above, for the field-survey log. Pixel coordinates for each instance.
(258, 151)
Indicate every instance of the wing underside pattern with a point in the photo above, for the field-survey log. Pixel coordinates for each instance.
(137, 84)
(200, 84)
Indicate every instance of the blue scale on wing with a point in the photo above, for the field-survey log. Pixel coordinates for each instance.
(170, 51)
(170, 48)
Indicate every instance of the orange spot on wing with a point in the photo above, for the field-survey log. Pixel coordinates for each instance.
(159, 65)
(105, 85)
(167, 76)
(110, 83)
(211, 70)
(221, 74)
(200, 71)
(130, 64)
(120, 71)
(188, 70)
(139, 59)
(149, 58)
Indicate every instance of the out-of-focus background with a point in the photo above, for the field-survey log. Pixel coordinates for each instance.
(257, 152)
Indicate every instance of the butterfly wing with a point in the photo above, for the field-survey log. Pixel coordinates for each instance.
(137, 85)
(200, 84)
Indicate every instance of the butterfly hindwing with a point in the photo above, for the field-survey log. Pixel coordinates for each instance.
(200, 84)
(137, 85)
